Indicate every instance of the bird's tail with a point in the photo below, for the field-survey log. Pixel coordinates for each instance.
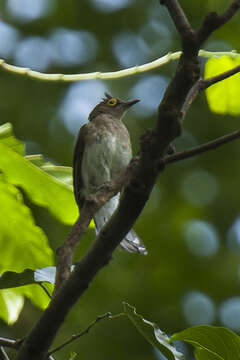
(131, 242)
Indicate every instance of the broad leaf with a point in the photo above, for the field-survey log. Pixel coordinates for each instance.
(11, 304)
(152, 334)
(211, 342)
(7, 138)
(223, 97)
(42, 188)
(12, 279)
(22, 243)
(62, 173)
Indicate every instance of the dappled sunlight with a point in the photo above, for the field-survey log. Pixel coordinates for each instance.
(201, 238)
(150, 88)
(34, 52)
(229, 313)
(78, 102)
(233, 235)
(9, 38)
(110, 5)
(198, 308)
(130, 49)
(29, 10)
(72, 47)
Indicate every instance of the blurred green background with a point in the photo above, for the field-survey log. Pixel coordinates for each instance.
(191, 224)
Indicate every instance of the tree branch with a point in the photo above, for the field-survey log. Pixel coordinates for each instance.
(92, 205)
(203, 84)
(211, 145)
(213, 80)
(154, 64)
(3, 354)
(213, 21)
(13, 344)
(108, 315)
(153, 147)
(180, 19)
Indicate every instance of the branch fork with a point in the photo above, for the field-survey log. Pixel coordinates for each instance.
(181, 91)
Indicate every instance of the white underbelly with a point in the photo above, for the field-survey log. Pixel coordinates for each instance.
(103, 160)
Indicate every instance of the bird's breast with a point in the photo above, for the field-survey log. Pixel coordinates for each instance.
(106, 155)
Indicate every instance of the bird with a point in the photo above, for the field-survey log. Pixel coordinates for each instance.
(102, 152)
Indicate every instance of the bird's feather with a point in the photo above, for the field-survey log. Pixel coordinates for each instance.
(77, 167)
(102, 152)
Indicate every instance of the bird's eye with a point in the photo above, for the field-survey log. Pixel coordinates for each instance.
(112, 102)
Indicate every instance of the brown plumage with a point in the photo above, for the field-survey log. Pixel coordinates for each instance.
(102, 152)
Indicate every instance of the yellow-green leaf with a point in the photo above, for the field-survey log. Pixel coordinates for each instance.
(223, 97)
(7, 137)
(11, 304)
(42, 188)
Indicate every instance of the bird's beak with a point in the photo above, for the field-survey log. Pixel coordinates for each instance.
(128, 104)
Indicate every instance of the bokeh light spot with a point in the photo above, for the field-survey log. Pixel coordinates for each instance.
(200, 188)
(130, 49)
(29, 10)
(151, 89)
(201, 238)
(111, 5)
(229, 312)
(155, 33)
(233, 235)
(72, 47)
(198, 308)
(34, 52)
(80, 99)
(9, 37)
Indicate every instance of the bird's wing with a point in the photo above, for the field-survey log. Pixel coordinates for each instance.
(77, 166)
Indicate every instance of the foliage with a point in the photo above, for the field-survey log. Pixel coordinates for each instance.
(209, 342)
(223, 97)
(201, 191)
(46, 185)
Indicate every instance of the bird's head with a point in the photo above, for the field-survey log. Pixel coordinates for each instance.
(112, 106)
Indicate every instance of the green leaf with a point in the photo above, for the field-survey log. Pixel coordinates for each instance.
(11, 304)
(12, 279)
(7, 138)
(62, 173)
(223, 97)
(42, 188)
(211, 342)
(152, 333)
(73, 356)
(21, 241)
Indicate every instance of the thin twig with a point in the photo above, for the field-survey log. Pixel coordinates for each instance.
(213, 21)
(93, 204)
(133, 199)
(203, 84)
(108, 315)
(3, 354)
(211, 145)
(213, 80)
(14, 344)
(18, 70)
(179, 17)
